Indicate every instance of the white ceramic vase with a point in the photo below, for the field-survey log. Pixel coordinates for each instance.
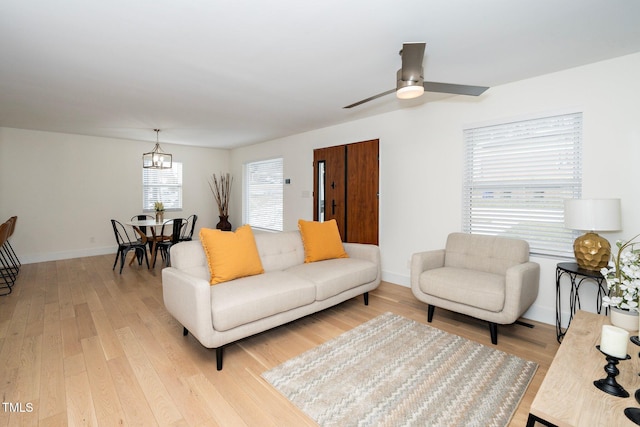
(628, 320)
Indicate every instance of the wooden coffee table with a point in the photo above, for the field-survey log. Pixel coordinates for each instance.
(567, 396)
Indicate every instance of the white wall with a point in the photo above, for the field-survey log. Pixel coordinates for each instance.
(421, 160)
(65, 189)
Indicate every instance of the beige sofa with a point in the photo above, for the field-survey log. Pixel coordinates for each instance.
(486, 277)
(288, 289)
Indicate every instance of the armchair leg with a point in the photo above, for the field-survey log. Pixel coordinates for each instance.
(219, 358)
(430, 310)
(493, 329)
(366, 298)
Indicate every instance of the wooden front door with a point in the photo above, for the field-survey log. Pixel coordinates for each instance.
(346, 189)
(330, 186)
(362, 192)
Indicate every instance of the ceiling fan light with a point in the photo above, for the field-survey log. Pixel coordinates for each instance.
(410, 91)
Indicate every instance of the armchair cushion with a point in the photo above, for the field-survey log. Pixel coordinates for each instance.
(492, 254)
(475, 288)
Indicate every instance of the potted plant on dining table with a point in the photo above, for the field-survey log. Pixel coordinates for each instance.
(159, 208)
(623, 280)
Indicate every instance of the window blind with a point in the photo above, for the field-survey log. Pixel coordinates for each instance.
(162, 185)
(517, 176)
(264, 194)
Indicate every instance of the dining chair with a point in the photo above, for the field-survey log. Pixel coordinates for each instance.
(143, 228)
(7, 245)
(126, 244)
(189, 226)
(7, 273)
(178, 228)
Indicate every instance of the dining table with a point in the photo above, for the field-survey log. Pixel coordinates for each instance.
(153, 225)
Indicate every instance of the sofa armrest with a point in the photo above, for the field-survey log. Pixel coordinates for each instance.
(188, 299)
(365, 252)
(423, 261)
(522, 282)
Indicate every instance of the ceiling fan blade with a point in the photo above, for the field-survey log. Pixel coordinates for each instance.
(370, 98)
(453, 88)
(412, 57)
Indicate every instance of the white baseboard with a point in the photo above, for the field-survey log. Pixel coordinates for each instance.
(397, 279)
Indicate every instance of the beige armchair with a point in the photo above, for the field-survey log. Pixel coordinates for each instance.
(486, 277)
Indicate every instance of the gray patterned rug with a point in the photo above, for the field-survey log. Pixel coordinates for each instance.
(393, 371)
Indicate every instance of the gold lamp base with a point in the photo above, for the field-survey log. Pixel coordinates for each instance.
(592, 252)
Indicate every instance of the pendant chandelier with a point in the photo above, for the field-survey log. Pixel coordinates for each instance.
(157, 158)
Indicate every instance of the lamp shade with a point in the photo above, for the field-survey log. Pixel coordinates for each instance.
(592, 214)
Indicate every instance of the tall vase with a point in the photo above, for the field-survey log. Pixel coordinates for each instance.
(624, 319)
(224, 223)
(159, 216)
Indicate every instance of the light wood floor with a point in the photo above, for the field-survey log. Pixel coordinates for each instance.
(82, 345)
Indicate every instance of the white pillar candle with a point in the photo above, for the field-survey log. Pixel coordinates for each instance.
(614, 341)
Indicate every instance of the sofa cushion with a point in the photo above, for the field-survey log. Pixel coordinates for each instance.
(321, 240)
(473, 288)
(279, 251)
(255, 297)
(230, 254)
(334, 276)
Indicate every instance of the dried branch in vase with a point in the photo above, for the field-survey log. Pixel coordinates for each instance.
(221, 190)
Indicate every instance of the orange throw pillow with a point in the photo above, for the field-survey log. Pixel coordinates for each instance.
(231, 255)
(321, 240)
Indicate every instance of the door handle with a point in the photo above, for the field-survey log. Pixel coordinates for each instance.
(333, 207)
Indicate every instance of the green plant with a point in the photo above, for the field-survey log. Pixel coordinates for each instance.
(623, 277)
(158, 206)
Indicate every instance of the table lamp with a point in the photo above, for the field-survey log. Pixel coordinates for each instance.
(592, 251)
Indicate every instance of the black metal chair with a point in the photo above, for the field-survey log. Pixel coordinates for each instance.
(8, 271)
(8, 249)
(126, 244)
(178, 232)
(143, 228)
(189, 226)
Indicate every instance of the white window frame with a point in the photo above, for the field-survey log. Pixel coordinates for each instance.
(162, 185)
(517, 175)
(264, 194)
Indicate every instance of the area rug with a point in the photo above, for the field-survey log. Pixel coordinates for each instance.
(393, 371)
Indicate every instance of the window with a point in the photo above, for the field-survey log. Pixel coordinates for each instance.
(517, 176)
(264, 194)
(162, 185)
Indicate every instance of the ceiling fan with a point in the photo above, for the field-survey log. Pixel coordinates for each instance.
(410, 82)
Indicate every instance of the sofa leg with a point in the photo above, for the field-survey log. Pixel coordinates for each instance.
(219, 358)
(493, 329)
(430, 310)
(366, 298)
(185, 331)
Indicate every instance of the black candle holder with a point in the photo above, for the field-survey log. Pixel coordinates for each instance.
(609, 384)
(634, 413)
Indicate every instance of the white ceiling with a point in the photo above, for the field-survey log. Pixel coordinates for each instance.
(228, 73)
